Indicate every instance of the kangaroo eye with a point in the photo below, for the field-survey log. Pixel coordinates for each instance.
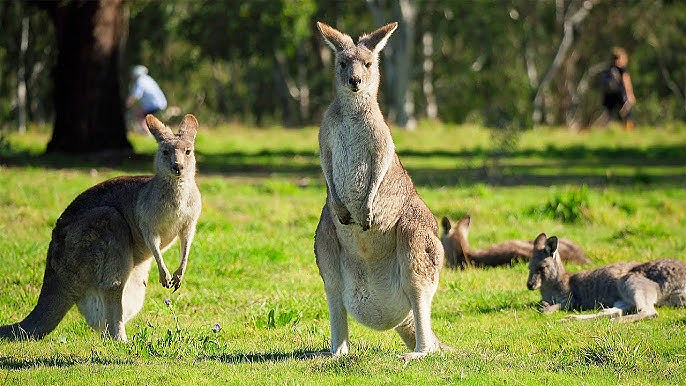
(368, 64)
(188, 151)
(165, 152)
(342, 64)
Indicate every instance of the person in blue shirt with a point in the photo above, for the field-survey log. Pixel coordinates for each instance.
(145, 96)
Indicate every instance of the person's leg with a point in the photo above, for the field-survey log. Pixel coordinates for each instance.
(628, 118)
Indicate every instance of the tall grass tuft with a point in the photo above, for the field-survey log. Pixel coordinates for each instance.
(570, 206)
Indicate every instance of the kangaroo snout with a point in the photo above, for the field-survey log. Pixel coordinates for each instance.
(354, 82)
(532, 284)
(177, 168)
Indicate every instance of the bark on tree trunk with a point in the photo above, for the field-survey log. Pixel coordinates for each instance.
(303, 85)
(569, 24)
(399, 53)
(427, 83)
(21, 74)
(89, 110)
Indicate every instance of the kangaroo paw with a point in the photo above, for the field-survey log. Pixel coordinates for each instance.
(165, 279)
(366, 218)
(176, 280)
(411, 356)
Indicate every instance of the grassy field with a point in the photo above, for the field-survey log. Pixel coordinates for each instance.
(252, 270)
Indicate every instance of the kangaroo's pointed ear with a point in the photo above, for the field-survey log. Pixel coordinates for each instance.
(157, 128)
(551, 245)
(188, 127)
(445, 222)
(335, 39)
(539, 242)
(464, 222)
(376, 40)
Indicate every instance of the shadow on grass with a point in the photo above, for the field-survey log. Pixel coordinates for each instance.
(265, 357)
(493, 307)
(578, 164)
(7, 363)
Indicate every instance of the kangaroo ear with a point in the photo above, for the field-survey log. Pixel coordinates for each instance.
(188, 127)
(445, 221)
(157, 128)
(376, 40)
(539, 242)
(551, 245)
(335, 39)
(464, 222)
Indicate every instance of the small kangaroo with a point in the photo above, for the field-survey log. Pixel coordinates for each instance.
(376, 244)
(101, 248)
(459, 254)
(625, 287)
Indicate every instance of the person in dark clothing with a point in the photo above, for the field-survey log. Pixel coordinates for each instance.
(618, 92)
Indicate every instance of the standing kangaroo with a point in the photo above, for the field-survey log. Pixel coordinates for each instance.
(101, 248)
(458, 253)
(377, 243)
(625, 287)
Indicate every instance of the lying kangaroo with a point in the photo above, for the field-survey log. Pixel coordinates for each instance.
(624, 287)
(377, 243)
(459, 254)
(101, 248)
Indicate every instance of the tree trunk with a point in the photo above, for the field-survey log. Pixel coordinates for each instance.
(21, 74)
(303, 85)
(569, 24)
(286, 89)
(427, 82)
(89, 110)
(399, 52)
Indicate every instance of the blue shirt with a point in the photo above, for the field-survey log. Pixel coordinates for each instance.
(148, 94)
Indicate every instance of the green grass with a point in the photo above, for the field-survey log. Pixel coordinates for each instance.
(252, 270)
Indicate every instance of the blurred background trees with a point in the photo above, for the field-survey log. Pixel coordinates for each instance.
(262, 62)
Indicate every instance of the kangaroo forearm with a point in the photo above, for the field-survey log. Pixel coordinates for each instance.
(153, 244)
(378, 172)
(160, 261)
(186, 240)
(327, 170)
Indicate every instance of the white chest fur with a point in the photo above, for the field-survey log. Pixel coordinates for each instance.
(351, 160)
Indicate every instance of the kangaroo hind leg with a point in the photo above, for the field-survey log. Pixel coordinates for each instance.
(107, 261)
(641, 292)
(327, 251)
(134, 290)
(420, 253)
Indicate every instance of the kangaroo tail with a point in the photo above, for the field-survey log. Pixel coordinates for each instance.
(53, 303)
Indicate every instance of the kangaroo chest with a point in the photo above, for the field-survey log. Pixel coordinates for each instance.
(170, 222)
(166, 216)
(352, 157)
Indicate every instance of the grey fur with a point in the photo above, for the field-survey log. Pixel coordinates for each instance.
(619, 288)
(102, 244)
(377, 243)
(458, 253)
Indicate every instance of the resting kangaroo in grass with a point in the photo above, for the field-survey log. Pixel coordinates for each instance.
(459, 254)
(377, 243)
(625, 287)
(101, 248)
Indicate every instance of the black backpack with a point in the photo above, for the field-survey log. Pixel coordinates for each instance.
(611, 81)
